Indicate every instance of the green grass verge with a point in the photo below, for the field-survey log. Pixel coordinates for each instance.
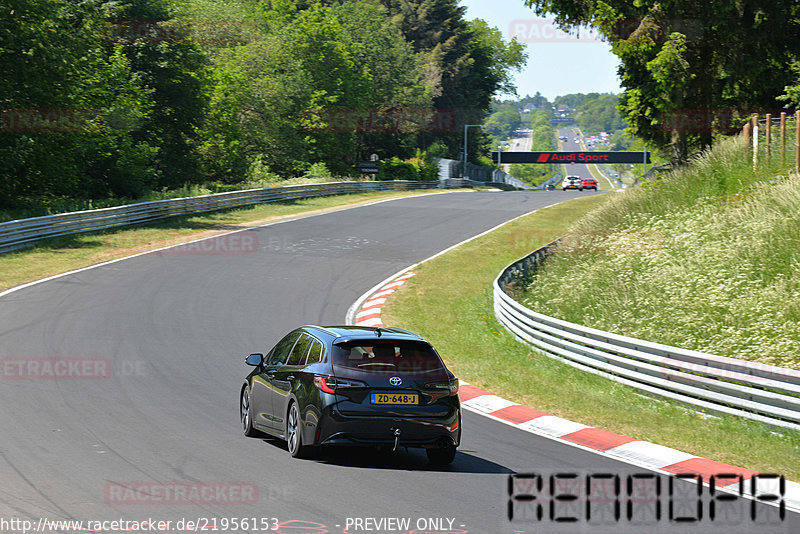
(63, 254)
(705, 259)
(450, 303)
(604, 184)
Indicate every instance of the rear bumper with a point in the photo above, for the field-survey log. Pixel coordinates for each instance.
(337, 429)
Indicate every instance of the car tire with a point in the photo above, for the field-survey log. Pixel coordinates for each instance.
(580, 189)
(563, 188)
(246, 416)
(294, 437)
(443, 456)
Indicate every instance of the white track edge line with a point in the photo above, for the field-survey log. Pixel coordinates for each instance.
(353, 309)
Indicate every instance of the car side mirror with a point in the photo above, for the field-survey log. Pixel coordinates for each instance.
(255, 359)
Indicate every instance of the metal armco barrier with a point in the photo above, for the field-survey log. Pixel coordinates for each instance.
(24, 232)
(725, 385)
(452, 169)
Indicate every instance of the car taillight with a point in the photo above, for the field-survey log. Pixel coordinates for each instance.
(331, 384)
(322, 383)
(451, 386)
(455, 425)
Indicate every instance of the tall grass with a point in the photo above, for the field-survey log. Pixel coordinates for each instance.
(450, 303)
(708, 259)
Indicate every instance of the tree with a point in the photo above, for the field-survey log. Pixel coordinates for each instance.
(176, 70)
(573, 100)
(465, 62)
(258, 102)
(701, 59)
(170, 92)
(502, 123)
(396, 104)
(71, 105)
(599, 114)
(792, 92)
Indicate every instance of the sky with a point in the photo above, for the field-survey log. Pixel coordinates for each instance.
(558, 64)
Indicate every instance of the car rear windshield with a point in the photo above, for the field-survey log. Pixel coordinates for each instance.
(388, 357)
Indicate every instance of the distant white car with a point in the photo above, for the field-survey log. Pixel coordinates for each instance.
(572, 182)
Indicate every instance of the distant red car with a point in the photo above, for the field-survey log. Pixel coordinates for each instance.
(589, 183)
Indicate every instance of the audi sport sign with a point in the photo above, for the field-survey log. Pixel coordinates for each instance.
(571, 157)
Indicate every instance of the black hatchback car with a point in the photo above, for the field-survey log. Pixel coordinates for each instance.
(348, 385)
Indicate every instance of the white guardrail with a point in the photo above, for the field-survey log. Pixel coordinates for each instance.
(724, 385)
(24, 232)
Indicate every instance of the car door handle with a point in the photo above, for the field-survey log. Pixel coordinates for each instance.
(290, 377)
(271, 372)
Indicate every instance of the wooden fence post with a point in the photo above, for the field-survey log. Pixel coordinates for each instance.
(797, 141)
(783, 138)
(755, 142)
(768, 132)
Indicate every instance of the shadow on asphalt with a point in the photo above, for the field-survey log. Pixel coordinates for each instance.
(400, 460)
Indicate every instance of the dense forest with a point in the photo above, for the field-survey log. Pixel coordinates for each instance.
(112, 99)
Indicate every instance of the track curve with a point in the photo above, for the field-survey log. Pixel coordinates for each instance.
(164, 336)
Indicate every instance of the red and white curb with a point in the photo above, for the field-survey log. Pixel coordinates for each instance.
(369, 313)
(623, 448)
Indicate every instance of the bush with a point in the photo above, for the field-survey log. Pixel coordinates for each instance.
(258, 172)
(414, 169)
(438, 149)
(318, 171)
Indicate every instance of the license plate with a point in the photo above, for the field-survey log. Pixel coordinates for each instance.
(395, 398)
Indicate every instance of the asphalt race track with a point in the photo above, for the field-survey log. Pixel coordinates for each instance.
(576, 169)
(145, 425)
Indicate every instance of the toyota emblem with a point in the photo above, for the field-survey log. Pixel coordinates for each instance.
(395, 381)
